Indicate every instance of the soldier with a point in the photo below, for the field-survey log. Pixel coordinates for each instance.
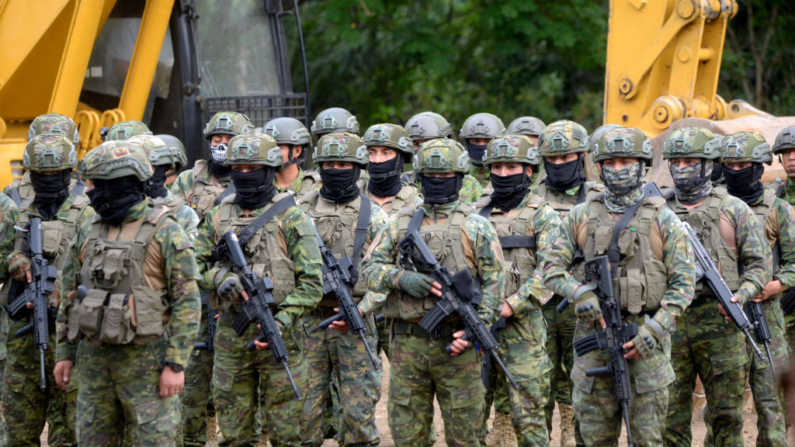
(137, 315)
(532, 128)
(653, 284)
(50, 160)
(126, 130)
(282, 246)
(203, 188)
(527, 226)
(717, 176)
(427, 126)
(420, 365)
(743, 156)
(563, 146)
(703, 344)
(294, 141)
(784, 147)
(348, 222)
(476, 133)
(9, 214)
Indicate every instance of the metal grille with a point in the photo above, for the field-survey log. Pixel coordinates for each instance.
(261, 109)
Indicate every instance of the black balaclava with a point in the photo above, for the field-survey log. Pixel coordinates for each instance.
(218, 170)
(745, 184)
(51, 191)
(441, 190)
(476, 152)
(112, 199)
(156, 185)
(254, 189)
(385, 177)
(564, 176)
(717, 174)
(339, 185)
(509, 190)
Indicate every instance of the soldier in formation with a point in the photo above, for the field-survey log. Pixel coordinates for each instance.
(476, 133)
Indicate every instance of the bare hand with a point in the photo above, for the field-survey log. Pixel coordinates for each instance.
(602, 323)
(244, 295)
(771, 289)
(632, 352)
(62, 373)
(723, 311)
(29, 276)
(260, 345)
(341, 326)
(171, 382)
(507, 310)
(458, 346)
(437, 289)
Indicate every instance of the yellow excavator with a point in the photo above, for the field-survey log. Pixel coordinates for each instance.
(106, 61)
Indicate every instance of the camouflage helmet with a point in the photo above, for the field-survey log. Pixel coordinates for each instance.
(54, 123)
(563, 138)
(692, 142)
(335, 119)
(227, 123)
(116, 159)
(254, 149)
(126, 130)
(288, 131)
(512, 148)
(341, 146)
(161, 153)
(441, 155)
(49, 152)
(623, 142)
(746, 147)
(594, 139)
(785, 140)
(525, 125)
(482, 125)
(389, 135)
(427, 126)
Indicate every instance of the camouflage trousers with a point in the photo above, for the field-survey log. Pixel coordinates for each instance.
(26, 406)
(706, 345)
(383, 336)
(329, 352)
(522, 349)
(422, 368)
(196, 400)
(3, 431)
(120, 385)
(599, 415)
(789, 333)
(560, 335)
(241, 376)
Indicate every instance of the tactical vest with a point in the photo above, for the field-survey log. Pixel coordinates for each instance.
(641, 278)
(203, 194)
(705, 218)
(517, 237)
(113, 273)
(761, 211)
(337, 228)
(311, 178)
(444, 240)
(563, 207)
(405, 197)
(265, 251)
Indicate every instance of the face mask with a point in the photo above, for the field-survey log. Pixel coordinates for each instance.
(623, 186)
(156, 185)
(112, 199)
(219, 152)
(254, 189)
(385, 177)
(441, 190)
(476, 153)
(51, 191)
(509, 190)
(717, 174)
(564, 176)
(745, 183)
(339, 185)
(692, 183)
(218, 170)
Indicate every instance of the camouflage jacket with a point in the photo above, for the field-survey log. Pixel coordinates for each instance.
(9, 215)
(481, 247)
(186, 217)
(481, 174)
(780, 231)
(302, 184)
(173, 253)
(789, 192)
(183, 187)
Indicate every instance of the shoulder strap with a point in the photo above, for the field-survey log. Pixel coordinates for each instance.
(226, 193)
(613, 252)
(277, 208)
(360, 235)
(581, 194)
(79, 188)
(15, 196)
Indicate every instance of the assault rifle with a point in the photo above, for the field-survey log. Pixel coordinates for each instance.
(756, 315)
(612, 338)
(37, 292)
(257, 308)
(212, 327)
(485, 369)
(788, 301)
(337, 281)
(456, 297)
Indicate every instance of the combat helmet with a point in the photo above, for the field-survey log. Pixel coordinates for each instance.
(441, 155)
(512, 148)
(335, 119)
(161, 153)
(227, 123)
(341, 146)
(526, 125)
(623, 142)
(785, 140)
(482, 125)
(562, 138)
(389, 135)
(427, 126)
(291, 132)
(254, 149)
(49, 152)
(692, 142)
(54, 123)
(746, 147)
(126, 130)
(116, 159)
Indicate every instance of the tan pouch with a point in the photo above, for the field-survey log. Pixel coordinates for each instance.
(51, 241)
(116, 323)
(89, 311)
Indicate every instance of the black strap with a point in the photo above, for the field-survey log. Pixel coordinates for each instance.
(278, 207)
(486, 210)
(613, 253)
(359, 235)
(16, 197)
(79, 188)
(518, 241)
(581, 194)
(226, 193)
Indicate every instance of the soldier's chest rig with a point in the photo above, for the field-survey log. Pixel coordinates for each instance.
(405, 197)
(204, 194)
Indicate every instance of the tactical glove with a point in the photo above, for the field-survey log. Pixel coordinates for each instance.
(415, 284)
(586, 307)
(228, 286)
(18, 264)
(648, 338)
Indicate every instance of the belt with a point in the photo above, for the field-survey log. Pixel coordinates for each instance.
(442, 330)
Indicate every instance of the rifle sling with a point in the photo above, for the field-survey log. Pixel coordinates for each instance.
(513, 241)
(360, 235)
(277, 208)
(614, 253)
(16, 197)
(226, 193)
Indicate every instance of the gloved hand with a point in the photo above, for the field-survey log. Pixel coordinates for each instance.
(18, 264)
(228, 286)
(586, 307)
(415, 284)
(646, 340)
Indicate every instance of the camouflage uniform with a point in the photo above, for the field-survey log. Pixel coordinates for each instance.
(286, 250)
(9, 215)
(123, 347)
(704, 344)
(523, 340)
(652, 289)
(420, 365)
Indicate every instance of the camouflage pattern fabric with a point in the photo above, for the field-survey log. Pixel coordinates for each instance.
(789, 320)
(9, 214)
(302, 184)
(196, 403)
(186, 217)
(481, 174)
(560, 336)
(183, 187)
(126, 130)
